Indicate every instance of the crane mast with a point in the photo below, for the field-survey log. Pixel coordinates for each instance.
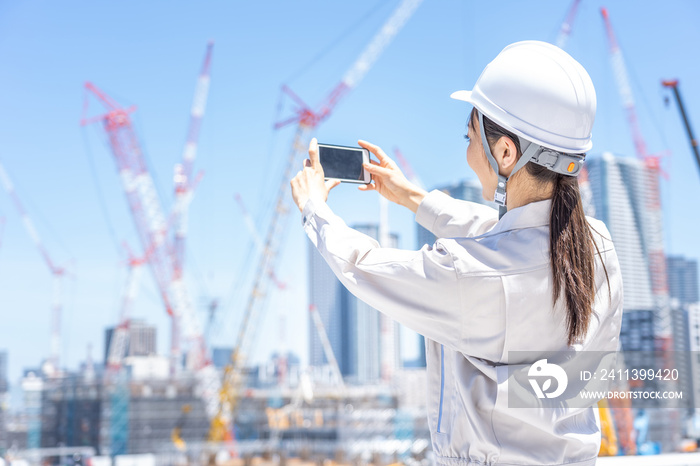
(306, 120)
(652, 224)
(56, 272)
(142, 197)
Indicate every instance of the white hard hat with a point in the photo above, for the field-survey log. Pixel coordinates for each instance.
(540, 93)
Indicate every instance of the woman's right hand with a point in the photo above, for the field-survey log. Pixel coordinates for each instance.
(389, 181)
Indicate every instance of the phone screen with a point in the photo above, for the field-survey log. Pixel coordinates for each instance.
(344, 163)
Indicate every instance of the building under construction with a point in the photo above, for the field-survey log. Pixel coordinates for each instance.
(315, 419)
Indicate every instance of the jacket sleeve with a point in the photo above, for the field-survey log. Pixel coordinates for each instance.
(419, 289)
(446, 217)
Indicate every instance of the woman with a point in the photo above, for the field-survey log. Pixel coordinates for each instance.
(539, 277)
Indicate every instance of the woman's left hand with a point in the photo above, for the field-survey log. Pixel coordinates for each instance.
(309, 182)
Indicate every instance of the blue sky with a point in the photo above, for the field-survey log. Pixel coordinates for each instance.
(149, 54)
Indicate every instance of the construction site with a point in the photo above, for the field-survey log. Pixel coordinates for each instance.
(359, 398)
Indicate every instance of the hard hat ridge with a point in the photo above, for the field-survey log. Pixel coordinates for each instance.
(539, 92)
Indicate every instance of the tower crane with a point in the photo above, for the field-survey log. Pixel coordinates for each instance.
(673, 85)
(306, 120)
(652, 228)
(653, 224)
(56, 271)
(164, 259)
(565, 30)
(142, 197)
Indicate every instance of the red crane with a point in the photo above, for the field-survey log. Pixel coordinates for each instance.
(652, 225)
(565, 30)
(307, 120)
(142, 197)
(56, 271)
(184, 182)
(165, 257)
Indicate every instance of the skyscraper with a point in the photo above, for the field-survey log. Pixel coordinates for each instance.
(325, 294)
(618, 198)
(682, 276)
(622, 197)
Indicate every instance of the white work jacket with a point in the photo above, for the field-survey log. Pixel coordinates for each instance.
(482, 290)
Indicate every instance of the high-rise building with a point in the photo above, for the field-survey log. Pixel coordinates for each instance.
(141, 340)
(682, 277)
(353, 327)
(467, 190)
(325, 295)
(622, 194)
(368, 323)
(618, 198)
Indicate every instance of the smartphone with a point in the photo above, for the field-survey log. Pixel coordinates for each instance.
(344, 163)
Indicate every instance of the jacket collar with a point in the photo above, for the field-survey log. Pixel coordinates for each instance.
(534, 214)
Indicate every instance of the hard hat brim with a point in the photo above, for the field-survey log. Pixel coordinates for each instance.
(487, 108)
(465, 96)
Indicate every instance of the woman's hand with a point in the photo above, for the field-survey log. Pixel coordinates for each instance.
(309, 182)
(389, 181)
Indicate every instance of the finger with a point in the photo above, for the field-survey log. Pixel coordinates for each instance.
(332, 183)
(377, 170)
(313, 153)
(376, 150)
(367, 187)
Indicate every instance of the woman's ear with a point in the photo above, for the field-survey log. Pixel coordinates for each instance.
(507, 154)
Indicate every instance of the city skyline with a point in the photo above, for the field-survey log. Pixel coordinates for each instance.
(68, 182)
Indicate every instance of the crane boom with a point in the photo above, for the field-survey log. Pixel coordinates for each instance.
(357, 70)
(673, 84)
(306, 120)
(149, 219)
(623, 85)
(566, 26)
(56, 272)
(184, 184)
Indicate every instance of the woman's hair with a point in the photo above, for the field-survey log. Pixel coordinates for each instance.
(571, 242)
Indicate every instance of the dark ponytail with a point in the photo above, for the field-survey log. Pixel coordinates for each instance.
(571, 242)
